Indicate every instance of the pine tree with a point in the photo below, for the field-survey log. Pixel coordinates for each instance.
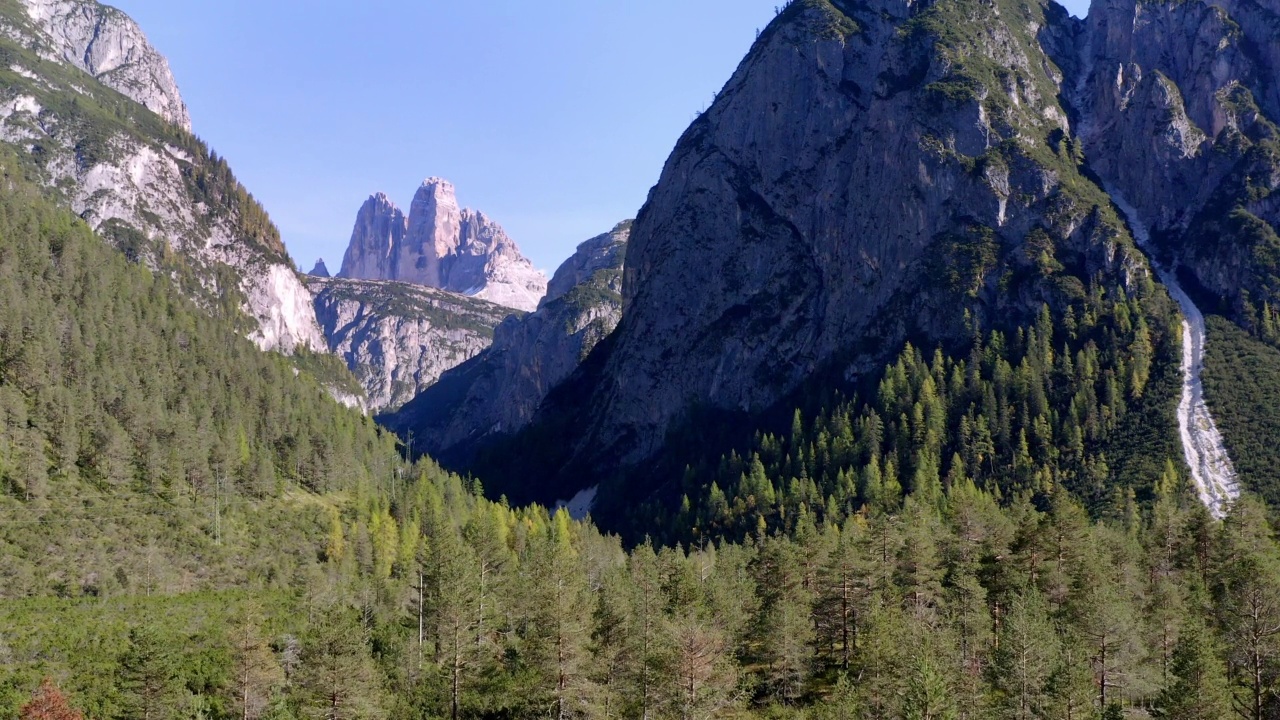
(704, 672)
(1025, 656)
(337, 679)
(255, 670)
(1248, 591)
(928, 695)
(558, 618)
(1198, 688)
(148, 676)
(453, 583)
(784, 629)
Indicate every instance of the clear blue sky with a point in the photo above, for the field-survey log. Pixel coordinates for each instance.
(554, 118)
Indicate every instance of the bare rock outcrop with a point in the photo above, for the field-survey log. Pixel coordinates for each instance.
(110, 46)
(398, 338)
(92, 110)
(869, 174)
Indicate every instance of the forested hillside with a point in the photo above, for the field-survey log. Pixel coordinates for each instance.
(189, 530)
(131, 417)
(429, 602)
(945, 484)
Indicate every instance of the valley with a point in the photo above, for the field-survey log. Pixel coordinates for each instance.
(938, 376)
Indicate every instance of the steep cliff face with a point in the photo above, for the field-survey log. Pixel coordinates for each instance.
(373, 253)
(110, 46)
(499, 390)
(872, 173)
(92, 111)
(441, 245)
(1175, 103)
(398, 338)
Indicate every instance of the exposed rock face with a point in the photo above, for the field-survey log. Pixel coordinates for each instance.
(441, 245)
(376, 240)
(110, 46)
(1175, 103)
(320, 270)
(499, 390)
(868, 174)
(147, 186)
(398, 338)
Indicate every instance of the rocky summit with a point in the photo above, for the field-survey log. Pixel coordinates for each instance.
(110, 46)
(441, 245)
(867, 175)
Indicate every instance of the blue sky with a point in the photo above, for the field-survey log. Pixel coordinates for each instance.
(554, 118)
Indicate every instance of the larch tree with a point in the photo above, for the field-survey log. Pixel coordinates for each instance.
(255, 670)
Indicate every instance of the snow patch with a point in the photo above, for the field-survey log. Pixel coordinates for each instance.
(1202, 444)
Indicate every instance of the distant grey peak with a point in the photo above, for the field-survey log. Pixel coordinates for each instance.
(439, 244)
(320, 270)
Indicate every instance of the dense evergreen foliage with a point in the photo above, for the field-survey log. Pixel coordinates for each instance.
(112, 383)
(426, 601)
(1242, 387)
(1081, 401)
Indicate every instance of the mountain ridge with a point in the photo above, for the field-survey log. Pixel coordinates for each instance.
(146, 184)
(932, 159)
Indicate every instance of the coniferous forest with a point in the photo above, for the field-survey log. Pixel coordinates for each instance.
(987, 515)
(193, 529)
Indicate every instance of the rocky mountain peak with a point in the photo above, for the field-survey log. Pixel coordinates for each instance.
(435, 231)
(441, 245)
(600, 253)
(378, 233)
(110, 46)
(320, 270)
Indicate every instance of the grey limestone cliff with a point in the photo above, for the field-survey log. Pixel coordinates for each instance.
(501, 388)
(441, 245)
(872, 172)
(398, 338)
(799, 225)
(1175, 105)
(92, 110)
(110, 46)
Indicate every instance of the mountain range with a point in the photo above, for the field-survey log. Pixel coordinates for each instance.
(938, 376)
